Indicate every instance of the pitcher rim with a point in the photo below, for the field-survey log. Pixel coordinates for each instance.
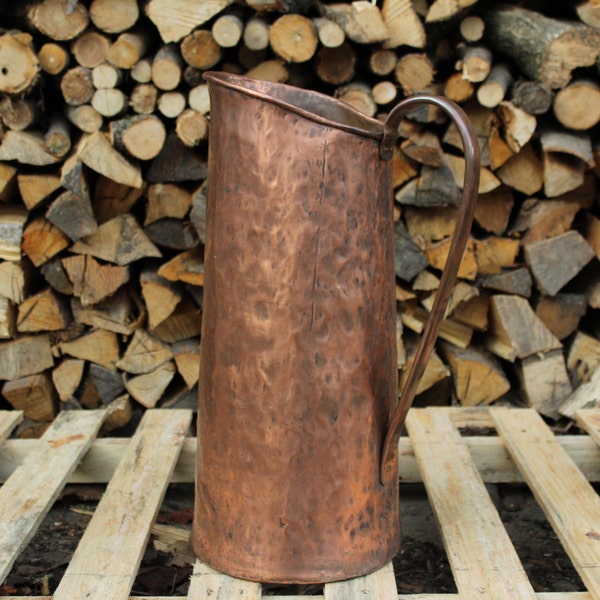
(263, 90)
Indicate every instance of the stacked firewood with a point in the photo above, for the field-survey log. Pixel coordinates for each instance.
(103, 148)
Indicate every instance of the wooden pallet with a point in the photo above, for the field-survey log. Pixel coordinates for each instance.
(137, 471)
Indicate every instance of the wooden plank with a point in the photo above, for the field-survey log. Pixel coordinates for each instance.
(106, 561)
(539, 596)
(481, 555)
(569, 501)
(380, 585)
(9, 419)
(488, 453)
(589, 420)
(206, 583)
(29, 493)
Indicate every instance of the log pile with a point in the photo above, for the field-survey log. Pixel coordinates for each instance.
(104, 126)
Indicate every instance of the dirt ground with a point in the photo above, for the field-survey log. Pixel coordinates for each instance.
(420, 567)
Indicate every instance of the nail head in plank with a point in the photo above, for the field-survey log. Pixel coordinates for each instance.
(208, 584)
(379, 585)
(107, 559)
(481, 555)
(30, 491)
(566, 497)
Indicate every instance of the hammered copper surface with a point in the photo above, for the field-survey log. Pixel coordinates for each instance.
(299, 376)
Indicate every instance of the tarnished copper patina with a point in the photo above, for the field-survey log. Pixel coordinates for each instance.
(298, 420)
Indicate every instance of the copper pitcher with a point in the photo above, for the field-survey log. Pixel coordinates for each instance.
(299, 418)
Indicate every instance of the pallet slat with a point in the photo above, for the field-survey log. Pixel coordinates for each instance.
(107, 559)
(489, 455)
(208, 584)
(31, 490)
(380, 585)
(566, 497)
(452, 466)
(481, 555)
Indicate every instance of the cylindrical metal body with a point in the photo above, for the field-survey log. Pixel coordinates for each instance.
(298, 351)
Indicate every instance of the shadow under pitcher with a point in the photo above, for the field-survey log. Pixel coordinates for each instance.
(299, 417)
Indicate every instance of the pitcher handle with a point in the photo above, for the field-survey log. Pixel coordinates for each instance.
(459, 241)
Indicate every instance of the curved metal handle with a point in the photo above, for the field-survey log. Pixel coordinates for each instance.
(457, 247)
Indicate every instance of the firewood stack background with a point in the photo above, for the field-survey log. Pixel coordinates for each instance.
(105, 123)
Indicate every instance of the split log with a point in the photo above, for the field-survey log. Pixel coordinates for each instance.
(167, 200)
(112, 199)
(141, 136)
(186, 354)
(545, 382)
(27, 355)
(42, 240)
(583, 357)
(175, 21)
(8, 182)
(382, 62)
(361, 21)
(476, 63)
(577, 106)
(555, 261)
(561, 313)
(67, 376)
(330, 34)
(76, 86)
(148, 389)
(34, 188)
(414, 72)
(19, 114)
(12, 222)
(59, 19)
(227, 30)
(120, 241)
(404, 26)
(493, 90)
(128, 49)
(336, 65)
(144, 354)
(171, 104)
(108, 384)
(53, 58)
(524, 172)
(100, 347)
(161, 297)
(533, 97)
(173, 234)
(545, 49)
(44, 311)
(90, 49)
(34, 395)
(57, 138)
(442, 10)
(542, 219)
(474, 312)
(269, 70)
(109, 102)
(26, 147)
(8, 318)
(98, 154)
(175, 163)
(183, 323)
(512, 281)
(515, 330)
(585, 396)
(15, 279)
(56, 276)
(92, 281)
(256, 33)
(118, 414)
(293, 38)
(493, 254)
(73, 215)
(477, 376)
(114, 16)
(121, 313)
(143, 98)
(85, 117)
(187, 267)
(518, 125)
(435, 371)
(592, 233)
